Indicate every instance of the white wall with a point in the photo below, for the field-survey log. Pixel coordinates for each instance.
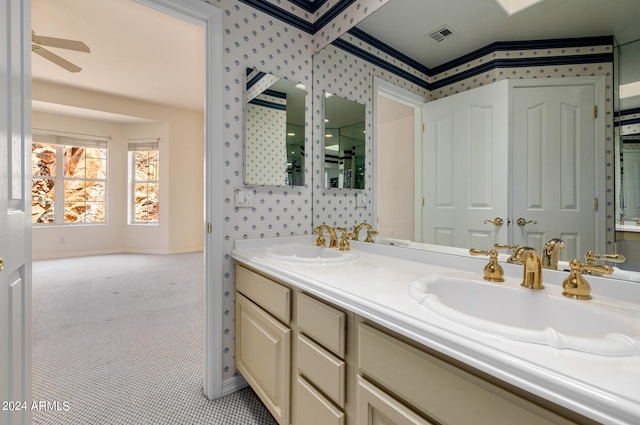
(181, 133)
(396, 174)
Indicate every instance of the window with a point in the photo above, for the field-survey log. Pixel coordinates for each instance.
(145, 182)
(69, 179)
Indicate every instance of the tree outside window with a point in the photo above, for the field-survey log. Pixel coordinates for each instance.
(69, 180)
(145, 181)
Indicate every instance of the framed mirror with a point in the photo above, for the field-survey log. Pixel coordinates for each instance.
(344, 143)
(274, 149)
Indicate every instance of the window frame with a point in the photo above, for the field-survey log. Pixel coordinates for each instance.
(133, 146)
(62, 140)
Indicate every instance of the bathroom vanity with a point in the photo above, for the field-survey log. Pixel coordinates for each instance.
(324, 341)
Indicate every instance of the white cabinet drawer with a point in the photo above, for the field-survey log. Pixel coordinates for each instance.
(440, 390)
(271, 296)
(313, 408)
(326, 371)
(322, 323)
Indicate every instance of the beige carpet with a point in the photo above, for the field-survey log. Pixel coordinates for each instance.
(118, 339)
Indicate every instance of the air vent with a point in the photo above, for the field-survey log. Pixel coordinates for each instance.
(440, 34)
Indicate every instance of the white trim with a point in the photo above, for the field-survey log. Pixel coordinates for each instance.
(390, 91)
(209, 17)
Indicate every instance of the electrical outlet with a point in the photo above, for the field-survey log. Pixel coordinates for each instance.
(244, 197)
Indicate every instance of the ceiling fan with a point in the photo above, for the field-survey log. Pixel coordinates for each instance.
(37, 41)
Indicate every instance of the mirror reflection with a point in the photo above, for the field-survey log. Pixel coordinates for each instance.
(344, 143)
(628, 139)
(442, 68)
(274, 130)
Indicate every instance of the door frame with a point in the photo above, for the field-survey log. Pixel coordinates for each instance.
(210, 17)
(599, 84)
(398, 94)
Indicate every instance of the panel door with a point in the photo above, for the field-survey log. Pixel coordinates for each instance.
(554, 167)
(465, 168)
(15, 209)
(375, 407)
(263, 356)
(631, 183)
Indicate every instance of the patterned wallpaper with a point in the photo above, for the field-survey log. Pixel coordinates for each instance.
(280, 37)
(266, 141)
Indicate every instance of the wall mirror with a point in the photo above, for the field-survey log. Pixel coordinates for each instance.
(344, 142)
(529, 24)
(274, 130)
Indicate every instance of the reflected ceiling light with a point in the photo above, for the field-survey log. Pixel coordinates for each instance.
(328, 94)
(335, 147)
(300, 86)
(291, 134)
(326, 120)
(328, 135)
(514, 6)
(630, 90)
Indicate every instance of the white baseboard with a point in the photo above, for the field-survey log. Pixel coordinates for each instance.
(111, 251)
(232, 385)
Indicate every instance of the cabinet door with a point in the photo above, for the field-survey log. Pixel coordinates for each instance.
(263, 347)
(378, 408)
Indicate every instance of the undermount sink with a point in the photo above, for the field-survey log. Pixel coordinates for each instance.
(532, 316)
(309, 254)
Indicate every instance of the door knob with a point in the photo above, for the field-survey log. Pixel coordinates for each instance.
(521, 221)
(497, 221)
(1, 264)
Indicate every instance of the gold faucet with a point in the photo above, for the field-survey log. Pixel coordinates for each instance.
(532, 271)
(370, 235)
(333, 239)
(550, 253)
(344, 240)
(356, 229)
(575, 286)
(519, 254)
(493, 271)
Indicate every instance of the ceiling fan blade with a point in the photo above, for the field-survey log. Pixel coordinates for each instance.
(55, 58)
(62, 43)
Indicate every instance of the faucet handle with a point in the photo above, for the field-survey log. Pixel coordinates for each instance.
(320, 241)
(591, 258)
(370, 235)
(575, 286)
(493, 271)
(344, 240)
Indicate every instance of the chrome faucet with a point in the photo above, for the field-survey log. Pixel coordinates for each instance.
(532, 272)
(356, 230)
(550, 253)
(333, 239)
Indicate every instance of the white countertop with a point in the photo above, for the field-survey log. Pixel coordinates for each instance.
(606, 389)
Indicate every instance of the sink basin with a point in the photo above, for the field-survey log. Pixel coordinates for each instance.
(309, 254)
(537, 317)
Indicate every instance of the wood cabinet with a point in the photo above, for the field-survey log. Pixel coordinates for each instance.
(313, 363)
(263, 343)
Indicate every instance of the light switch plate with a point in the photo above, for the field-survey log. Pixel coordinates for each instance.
(243, 197)
(361, 199)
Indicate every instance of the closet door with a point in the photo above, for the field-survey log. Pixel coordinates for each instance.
(554, 167)
(465, 168)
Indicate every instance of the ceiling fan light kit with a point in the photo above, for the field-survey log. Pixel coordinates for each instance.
(37, 43)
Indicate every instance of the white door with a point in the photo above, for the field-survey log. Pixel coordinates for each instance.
(554, 167)
(15, 209)
(465, 168)
(631, 182)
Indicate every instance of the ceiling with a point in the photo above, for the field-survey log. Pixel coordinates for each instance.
(139, 53)
(403, 24)
(136, 52)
